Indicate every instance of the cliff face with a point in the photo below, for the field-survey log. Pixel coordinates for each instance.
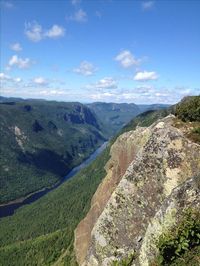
(122, 152)
(41, 141)
(152, 176)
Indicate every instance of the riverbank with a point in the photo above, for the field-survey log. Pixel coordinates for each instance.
(21, 199)
(9, 208)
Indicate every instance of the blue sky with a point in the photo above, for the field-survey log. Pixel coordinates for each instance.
(108, 50)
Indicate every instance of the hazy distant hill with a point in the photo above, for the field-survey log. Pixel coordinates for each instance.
(156, 106)
(114, 115)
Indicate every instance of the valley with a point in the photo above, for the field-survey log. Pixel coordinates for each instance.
(9, 208)
(99, 133)
(51, 217)
(45, 228)
(41, 141)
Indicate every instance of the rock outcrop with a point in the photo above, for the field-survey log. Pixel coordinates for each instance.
(152, 176)
(122, 152)
(81, 115)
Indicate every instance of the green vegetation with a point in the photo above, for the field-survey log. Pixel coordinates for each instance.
(194, 135)
(41, 141)
(125, 261)
(39, 233)
(188, 117)
(113, 115)
(189, 109)
(181, 242)
(145, 119)
(196, 130)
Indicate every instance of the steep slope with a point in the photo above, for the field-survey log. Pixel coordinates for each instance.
(113, 115)
(41, 141)
(122, 153)
(159, 185)
(45, 229)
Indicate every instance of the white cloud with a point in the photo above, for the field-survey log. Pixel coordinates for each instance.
(36, 33)
(127, 59)
(16, 47)
(144, 89)
(7, 4)
(104, 84)
(52, 92)
(75, 2)
(17, 80)
(19, 62)
(145, 76)
(79, 16)
(55, 32)
(147, 5)
(7, 78)
(40, 81)
(105, 96)
(134, 95)
(3, 76)
(85, 68)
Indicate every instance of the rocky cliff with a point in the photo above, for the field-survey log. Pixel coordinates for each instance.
(152, 177)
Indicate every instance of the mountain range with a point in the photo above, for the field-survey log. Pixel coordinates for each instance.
(136, 204)
(41, 141)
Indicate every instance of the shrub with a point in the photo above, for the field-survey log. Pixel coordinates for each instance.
(186, 236)
(189, 109)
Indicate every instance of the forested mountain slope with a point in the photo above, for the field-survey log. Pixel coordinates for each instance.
(114, 116)
(42, 233)
(146, 211)
(41, 141)
(45, 229)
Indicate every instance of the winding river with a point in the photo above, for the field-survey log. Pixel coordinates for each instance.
(9, 209)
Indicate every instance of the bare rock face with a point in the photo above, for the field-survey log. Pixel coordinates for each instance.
(123, 152)
(168, 216)
(150, 180)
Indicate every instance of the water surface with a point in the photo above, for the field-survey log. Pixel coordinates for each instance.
(9, 210)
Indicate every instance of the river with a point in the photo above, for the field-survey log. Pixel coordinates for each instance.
(9, 209)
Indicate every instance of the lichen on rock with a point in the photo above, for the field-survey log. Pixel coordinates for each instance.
(156, 183)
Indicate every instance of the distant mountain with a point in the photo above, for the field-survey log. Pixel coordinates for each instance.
(114, 115)
(45, 229)
(17, 99)
(41, 141)
(147, 107)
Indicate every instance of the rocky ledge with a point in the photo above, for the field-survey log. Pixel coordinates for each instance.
(152, 176)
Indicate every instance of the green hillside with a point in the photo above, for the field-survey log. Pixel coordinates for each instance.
(42, 233)
(41, 141)
(189, 109)
(114, 115)
(38, 234)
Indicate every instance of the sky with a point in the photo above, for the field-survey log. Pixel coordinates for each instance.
(100, 50)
